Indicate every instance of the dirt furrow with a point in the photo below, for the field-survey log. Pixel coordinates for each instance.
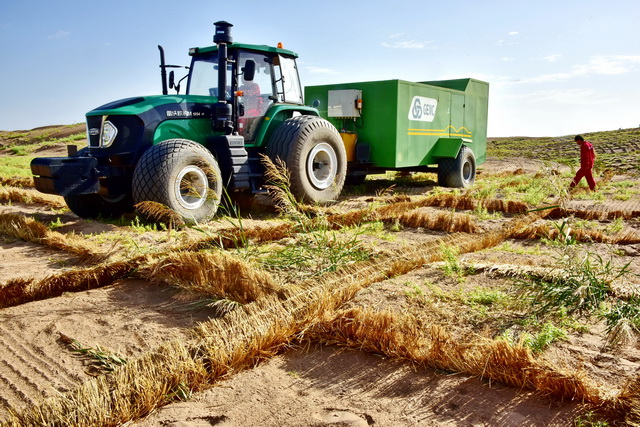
(36, 360)
(14, 392)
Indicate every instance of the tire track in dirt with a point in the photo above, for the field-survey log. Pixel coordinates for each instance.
(28, 374)
(46, 365)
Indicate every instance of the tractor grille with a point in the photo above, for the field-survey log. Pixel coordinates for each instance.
(130, 133)
(93, 131)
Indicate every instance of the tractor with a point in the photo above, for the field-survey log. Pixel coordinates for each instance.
(243, 101)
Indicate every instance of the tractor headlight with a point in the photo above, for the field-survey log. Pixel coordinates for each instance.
(109, 132)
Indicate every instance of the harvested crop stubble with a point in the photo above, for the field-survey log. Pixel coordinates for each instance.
(603, 215)
(441, 221)
(18, 195)
(214, 274)
(464, 202)
(30, 230)
(15, 181)
(549, 231)
(260, 329)
(20, 291)
(239, 237)
(160, 213)
(398, 337)
(240, 340)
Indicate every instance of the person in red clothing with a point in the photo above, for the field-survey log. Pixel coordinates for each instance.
(587, 157)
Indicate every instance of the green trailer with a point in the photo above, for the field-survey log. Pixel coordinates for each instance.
(400, 125)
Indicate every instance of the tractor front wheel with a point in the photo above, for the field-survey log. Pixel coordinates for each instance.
(314, 154)
(182, 175)
(95, 205)
(459, 172)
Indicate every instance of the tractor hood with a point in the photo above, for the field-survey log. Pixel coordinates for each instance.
(160, 107)
(130, 124)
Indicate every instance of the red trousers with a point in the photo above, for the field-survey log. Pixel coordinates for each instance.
(586, 173)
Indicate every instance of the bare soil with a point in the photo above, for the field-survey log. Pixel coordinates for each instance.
(315, 385)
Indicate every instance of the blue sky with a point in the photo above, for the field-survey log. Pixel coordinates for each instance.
(555, 67)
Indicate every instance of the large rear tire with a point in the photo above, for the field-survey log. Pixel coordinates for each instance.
(459, 172)
(182, 175)
(314, 153)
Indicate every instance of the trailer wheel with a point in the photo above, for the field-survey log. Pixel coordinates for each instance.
(182, 175)
(314, 153)
(95, 205)
(459, 172)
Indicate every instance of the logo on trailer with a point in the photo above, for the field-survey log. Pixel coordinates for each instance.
(423, 109)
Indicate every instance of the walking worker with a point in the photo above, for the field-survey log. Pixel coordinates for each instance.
(587, 157)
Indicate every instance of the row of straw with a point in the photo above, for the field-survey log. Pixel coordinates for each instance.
(269, 323)
(30, 230)
(19, 195)
(245, 337)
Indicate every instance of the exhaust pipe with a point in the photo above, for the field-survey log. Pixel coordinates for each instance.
(223, 110)
(163, 71)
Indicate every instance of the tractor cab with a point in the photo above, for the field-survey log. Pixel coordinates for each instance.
(256, 78)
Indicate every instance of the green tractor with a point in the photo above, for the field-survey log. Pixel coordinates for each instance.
(241, 101)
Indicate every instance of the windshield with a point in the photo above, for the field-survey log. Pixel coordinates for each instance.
(203, 79)
(204, 76)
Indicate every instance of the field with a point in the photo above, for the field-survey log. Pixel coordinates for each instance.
(513, 303)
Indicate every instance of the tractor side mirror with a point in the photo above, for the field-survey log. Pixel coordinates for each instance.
(172, 79)
(249, 70)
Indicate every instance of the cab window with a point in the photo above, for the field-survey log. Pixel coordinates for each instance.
(287, 80)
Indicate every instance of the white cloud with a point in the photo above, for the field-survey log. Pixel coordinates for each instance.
(608, 65)
(407, 44)
(513, 33)
(319, 70)
(546, 78)
(552, 58)
(597, 65)
(564, 97)
(59, 35)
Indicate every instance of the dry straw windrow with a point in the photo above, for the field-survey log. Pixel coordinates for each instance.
(261, 329)
(15, 181)
(238, 341)
(590, 214)
(398, 337)
(30, 230)
(157, 212)
(214, 274)
(221, 347)
(20, 291)
(19, 195)
(551, 232)
(239, 237)
(398, 211)
(270, 323)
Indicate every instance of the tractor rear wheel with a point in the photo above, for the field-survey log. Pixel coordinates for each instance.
(459, 172)
(182, 175)
(314, 154)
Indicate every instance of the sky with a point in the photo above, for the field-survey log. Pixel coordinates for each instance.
(555, 68)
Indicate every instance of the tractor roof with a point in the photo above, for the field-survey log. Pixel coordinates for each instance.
(243, 46)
